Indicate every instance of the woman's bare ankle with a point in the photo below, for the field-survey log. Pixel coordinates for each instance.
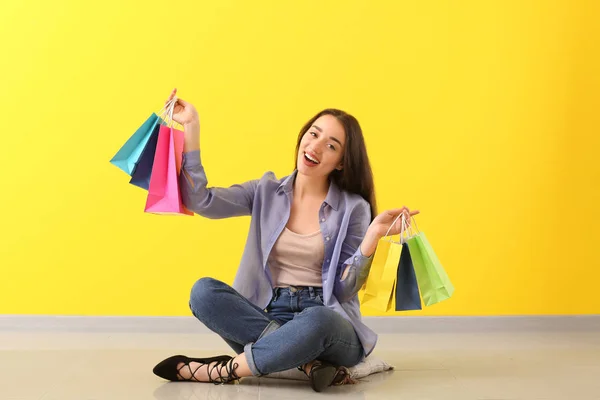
(306, 367)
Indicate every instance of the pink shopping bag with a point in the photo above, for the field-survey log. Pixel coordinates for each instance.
(164, 196)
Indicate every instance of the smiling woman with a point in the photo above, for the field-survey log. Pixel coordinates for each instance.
(334, 139)
(309, 250)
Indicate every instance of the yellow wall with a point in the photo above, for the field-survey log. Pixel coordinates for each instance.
(482, 114)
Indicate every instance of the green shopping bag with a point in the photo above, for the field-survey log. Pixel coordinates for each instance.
(433, 280)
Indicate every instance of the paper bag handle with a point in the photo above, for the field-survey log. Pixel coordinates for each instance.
(390, 228)
(406, 228)
(168, 110)
(165, 108)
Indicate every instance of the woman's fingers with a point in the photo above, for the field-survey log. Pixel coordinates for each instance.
(395, 211)
(182, 102)
(173, 93)
(398, 224)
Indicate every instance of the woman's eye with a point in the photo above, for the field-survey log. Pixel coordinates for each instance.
(313, 133)
(332, 147)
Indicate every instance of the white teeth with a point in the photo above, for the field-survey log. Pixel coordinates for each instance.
(310, 158)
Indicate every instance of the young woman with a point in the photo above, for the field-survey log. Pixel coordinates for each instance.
(310, 246)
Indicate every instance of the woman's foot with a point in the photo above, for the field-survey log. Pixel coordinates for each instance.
(320, 374)
(217, 370)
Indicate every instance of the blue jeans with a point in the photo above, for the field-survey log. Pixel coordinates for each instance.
(296, 327)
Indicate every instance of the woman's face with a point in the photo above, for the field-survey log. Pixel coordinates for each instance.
(322, 147)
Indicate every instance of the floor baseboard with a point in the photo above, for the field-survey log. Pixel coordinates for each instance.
(99, 324)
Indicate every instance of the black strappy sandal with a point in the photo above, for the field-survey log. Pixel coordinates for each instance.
(321, 375)
(167, 369)
(231, 376)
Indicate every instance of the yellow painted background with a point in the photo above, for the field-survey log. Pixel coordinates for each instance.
(482, 114)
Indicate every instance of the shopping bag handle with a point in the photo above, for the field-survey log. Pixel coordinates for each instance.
(407, 228)
(165, 109)
(168, 109)
(390, 228)
(171, 110)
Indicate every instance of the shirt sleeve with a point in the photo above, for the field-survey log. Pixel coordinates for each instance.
(348, 284)
(213, 202)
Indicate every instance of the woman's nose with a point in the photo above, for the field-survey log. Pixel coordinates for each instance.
(318, 147)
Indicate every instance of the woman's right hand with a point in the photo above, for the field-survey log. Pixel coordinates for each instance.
(184, 113)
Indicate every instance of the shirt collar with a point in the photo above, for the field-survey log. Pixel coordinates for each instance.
(333, 194)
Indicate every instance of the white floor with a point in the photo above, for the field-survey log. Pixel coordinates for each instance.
(85, 366)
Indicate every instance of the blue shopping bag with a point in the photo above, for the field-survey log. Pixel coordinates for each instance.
(129, 154)
(407, 289)
(143, 168)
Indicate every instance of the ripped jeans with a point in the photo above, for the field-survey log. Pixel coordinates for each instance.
(295, 329)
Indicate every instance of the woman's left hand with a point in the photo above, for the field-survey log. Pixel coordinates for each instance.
(384, 220)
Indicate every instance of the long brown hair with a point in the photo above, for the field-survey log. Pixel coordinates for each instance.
(356, 175)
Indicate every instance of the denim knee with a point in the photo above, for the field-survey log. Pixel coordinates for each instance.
(319, 319)
(202, 295)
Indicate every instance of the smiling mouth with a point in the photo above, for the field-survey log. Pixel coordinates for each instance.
(309, 159)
